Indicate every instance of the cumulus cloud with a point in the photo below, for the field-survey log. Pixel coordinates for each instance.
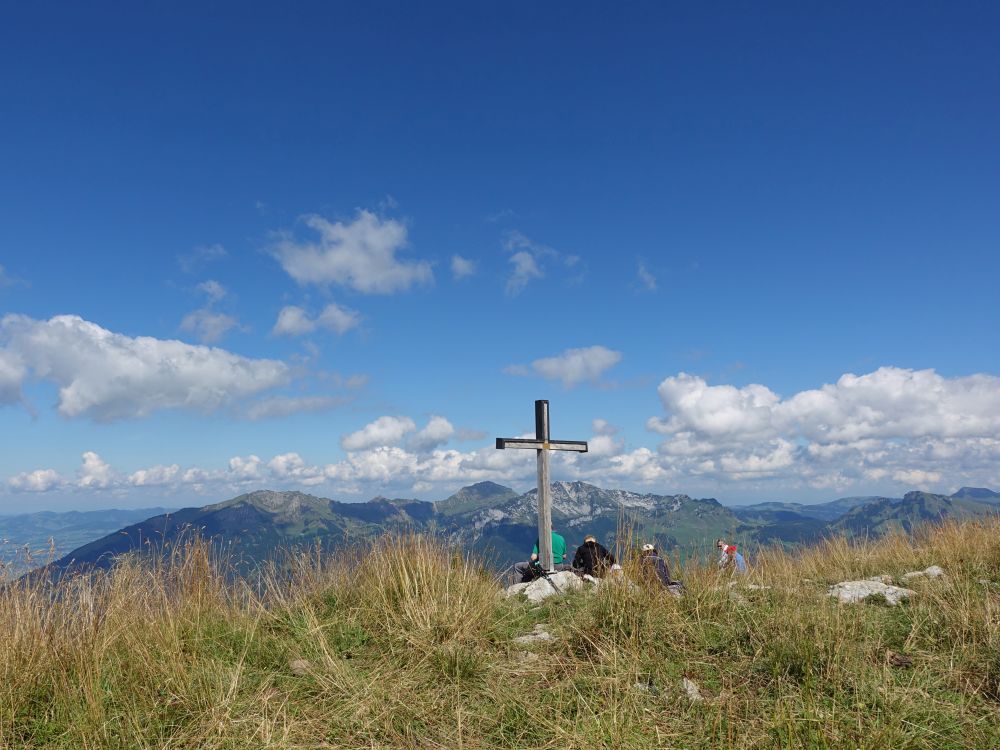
(528, 260)
(155, 476)
(284, 406)
(12, 374)
(360, 254)
(437, 432)
(201, 256)
(95, 472)
(294, 321)
(462, 267)
(41, 480)
(573, 366)
(383, 431)
(525, 268)
(207, 325)
(213, 290)
(107, 376)
(891, 429)
(914, 427)
(888, 403)
(603, 427)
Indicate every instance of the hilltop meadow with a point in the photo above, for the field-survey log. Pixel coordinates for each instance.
(407, 644)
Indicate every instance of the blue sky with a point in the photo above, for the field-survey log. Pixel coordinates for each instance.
(751, 251)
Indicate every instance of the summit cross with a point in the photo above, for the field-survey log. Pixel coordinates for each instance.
(542, 444)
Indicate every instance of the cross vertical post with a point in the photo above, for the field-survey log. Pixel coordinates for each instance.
(544, 491)
(542, 444)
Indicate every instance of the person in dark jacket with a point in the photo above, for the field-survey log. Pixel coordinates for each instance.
(655, 565)
(592, 558)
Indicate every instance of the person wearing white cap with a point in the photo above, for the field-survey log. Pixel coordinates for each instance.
(592, 558)
(651, 561)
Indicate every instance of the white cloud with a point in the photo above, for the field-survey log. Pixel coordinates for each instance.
(917, 477)
(294, 321)
(41, 480)
(107, 376)
(213, 290)
(647, 281)
(360, 254)
(95, 472)
(207, 325)
(383, 431)
(155, 476)
(246, 468)
(603, 427)
(283, 406)
(573, 366)
(12, 374)
(462, 267)
(201, 256)
(437, 432)
(888, 403)
(914, 427)
(890, 430)
(526, 259)
(525, 269)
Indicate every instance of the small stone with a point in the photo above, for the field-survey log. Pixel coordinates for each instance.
(538, 635)
(884, 578)
(934, 571)
(692, 690)
(897, 659)
(299, 667)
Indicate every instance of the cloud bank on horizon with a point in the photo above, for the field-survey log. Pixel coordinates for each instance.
(910, 427)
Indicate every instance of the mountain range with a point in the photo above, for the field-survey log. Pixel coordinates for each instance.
(498, 524)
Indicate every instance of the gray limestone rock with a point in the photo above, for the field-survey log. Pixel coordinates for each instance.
(850, 592)
(933, 571)
(884, 578)
(692, 690)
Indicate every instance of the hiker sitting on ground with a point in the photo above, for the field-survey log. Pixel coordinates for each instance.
(653, 564)
(592, 558)
(730, 558)
(531, 569)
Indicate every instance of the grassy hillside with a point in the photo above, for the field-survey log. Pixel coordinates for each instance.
(409, 645)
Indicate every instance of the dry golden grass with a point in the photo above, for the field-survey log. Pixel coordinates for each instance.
(408, 645)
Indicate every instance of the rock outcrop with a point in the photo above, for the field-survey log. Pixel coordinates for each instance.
(851, 592)
(934, 571)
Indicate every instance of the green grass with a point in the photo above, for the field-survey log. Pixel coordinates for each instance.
(409, 646)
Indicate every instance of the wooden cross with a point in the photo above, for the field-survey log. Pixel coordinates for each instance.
(542, 445)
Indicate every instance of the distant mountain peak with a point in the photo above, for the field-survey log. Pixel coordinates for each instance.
(273, 501)
(977, 493)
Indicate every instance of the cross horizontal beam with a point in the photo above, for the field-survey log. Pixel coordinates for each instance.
(579, 446)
